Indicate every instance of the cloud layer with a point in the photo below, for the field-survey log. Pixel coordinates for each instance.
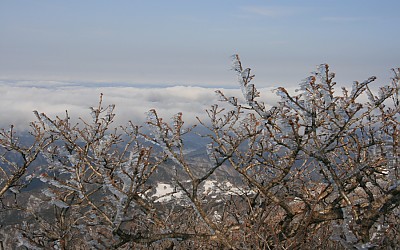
(20, 98)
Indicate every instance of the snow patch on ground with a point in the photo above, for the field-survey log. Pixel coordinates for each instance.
(225, 188)
(166, 192)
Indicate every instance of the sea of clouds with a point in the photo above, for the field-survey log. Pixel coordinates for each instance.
(19, 98)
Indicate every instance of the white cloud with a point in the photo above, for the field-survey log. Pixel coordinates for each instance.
(19, 99)
(273, 11)
(343, 19)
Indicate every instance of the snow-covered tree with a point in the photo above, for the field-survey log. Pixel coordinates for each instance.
(320, 169)
(324, 166)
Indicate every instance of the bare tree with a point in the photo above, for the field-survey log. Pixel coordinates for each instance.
(323, 166)
(17, 157)
(319, 169)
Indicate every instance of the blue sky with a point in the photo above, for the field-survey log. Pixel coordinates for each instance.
(188, 42)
